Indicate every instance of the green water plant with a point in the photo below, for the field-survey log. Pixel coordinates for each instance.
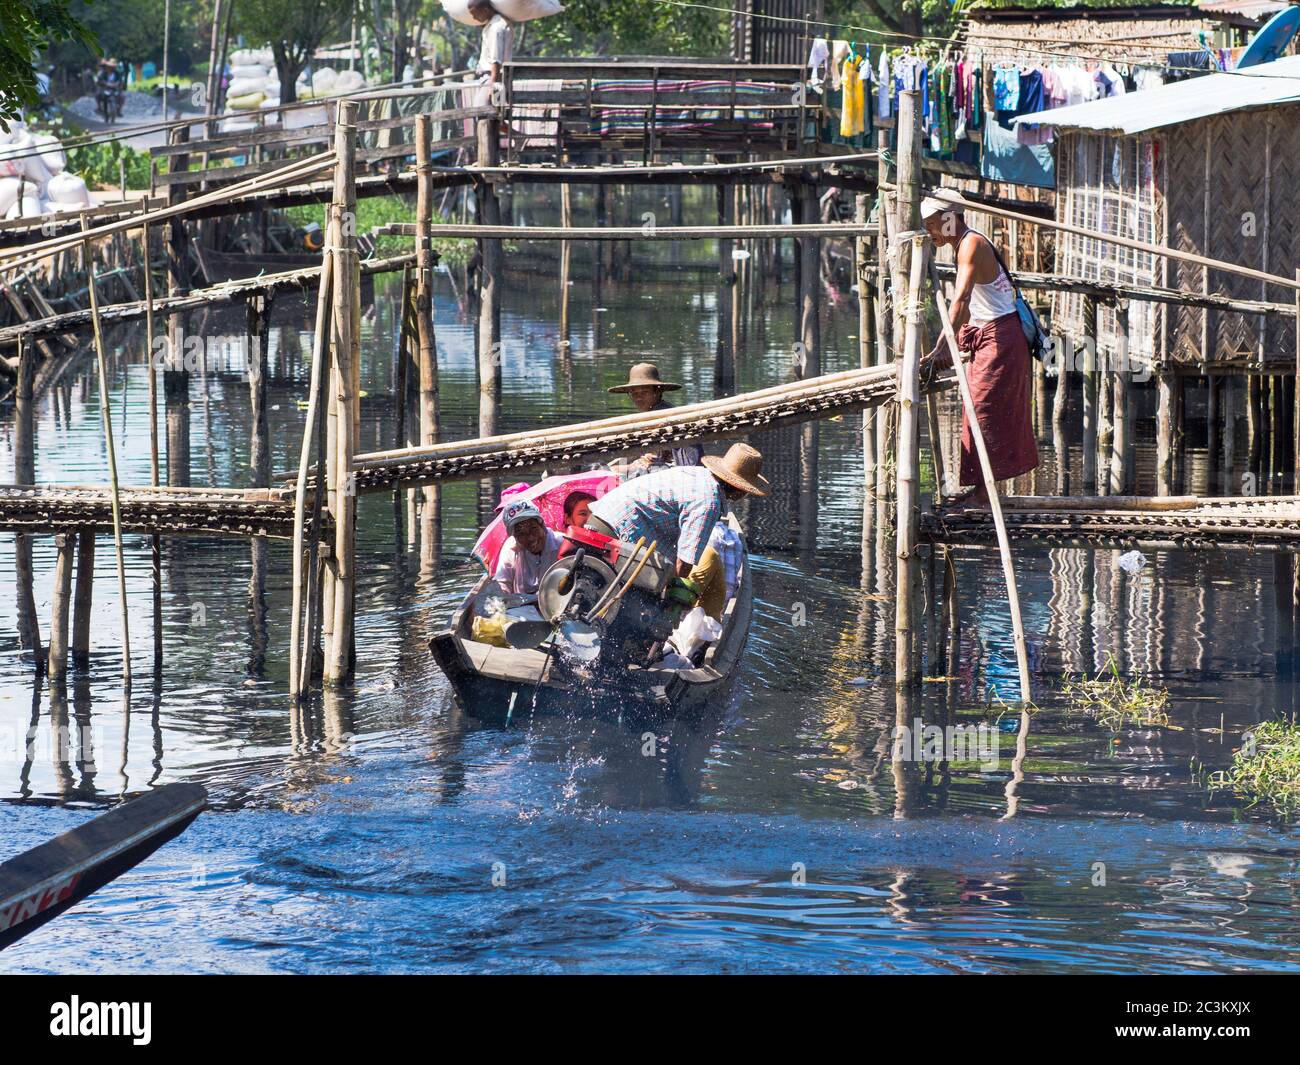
(1116, 702)
(1265, 768)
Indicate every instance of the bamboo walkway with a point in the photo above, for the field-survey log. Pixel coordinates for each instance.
(168, 511)
(1153, 522)
(239, 289)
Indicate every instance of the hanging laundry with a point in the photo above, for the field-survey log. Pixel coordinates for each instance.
(853, 109)
(817, 59)
(884, 87)
(1006, 88)
(839, 52)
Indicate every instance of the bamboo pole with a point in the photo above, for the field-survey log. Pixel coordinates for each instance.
(1164, 432)
(152, 359)
(489, 318)
(427, 344)
(299, 679)
(106, 415)
(566, 264)
(724, 366)
(885, 333)
(866, 345)
(338, 653)
(908, 475)
(29, 628)
(995, 504)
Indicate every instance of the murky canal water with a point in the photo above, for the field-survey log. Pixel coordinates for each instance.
(386, 831)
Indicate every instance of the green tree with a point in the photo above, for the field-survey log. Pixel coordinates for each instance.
(27, 27)
(294, 30)
(629, 27)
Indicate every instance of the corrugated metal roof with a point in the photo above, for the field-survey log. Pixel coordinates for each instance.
(1251, 8)
(1183, 101)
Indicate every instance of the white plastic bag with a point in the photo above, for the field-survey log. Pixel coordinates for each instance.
(68, 189)
(1131, 561)
(694, 631)
(514, 10)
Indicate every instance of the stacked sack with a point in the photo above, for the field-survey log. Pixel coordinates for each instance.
(254, 83)
(32, 177)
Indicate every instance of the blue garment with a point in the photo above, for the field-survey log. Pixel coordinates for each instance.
(1006, 88)
(1004, 158)
(1032, 99)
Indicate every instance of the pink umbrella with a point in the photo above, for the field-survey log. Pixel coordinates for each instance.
(549, 495)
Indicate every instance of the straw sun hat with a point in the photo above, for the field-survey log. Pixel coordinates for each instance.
(741, 467)
(645, 375)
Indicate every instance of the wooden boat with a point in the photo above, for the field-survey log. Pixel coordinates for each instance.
(499, 683)
(41, 883)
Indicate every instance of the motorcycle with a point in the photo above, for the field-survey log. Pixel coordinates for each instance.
(109, 99)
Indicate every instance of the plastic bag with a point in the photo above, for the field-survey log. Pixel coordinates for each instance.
(1131, 561)
(693, 632)
(490, 630)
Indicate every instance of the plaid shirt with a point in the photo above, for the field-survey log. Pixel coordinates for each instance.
(730, 548)
(680, 505)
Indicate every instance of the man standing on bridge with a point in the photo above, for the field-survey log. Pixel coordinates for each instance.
(987, 327)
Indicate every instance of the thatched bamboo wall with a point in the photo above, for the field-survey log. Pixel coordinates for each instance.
(1221, 187)
(1122, 34)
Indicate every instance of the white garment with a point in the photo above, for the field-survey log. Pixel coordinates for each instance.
(993, 300)
(884, 88)
(498, 44)
(817, 59)
(521, 571)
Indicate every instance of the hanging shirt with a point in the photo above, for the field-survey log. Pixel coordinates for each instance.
(817, 59)
(884, 83)
(1006, 88)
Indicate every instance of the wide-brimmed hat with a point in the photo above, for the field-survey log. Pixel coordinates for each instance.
(741, 467)
(645, 375)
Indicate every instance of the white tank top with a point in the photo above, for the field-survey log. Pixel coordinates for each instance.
(994, 300)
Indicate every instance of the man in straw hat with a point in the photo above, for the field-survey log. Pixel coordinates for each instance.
(987, 326)
(679, 507)
(647, 390)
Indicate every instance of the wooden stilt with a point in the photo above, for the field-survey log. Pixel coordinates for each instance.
(1179, 388)
(1121, 480)
(1105, 422)
(489, 320)
(724, 364)
(431, 514)
(260, 468)
(1213, 441)
(305, 571)
(810, 265)
(566, 263)
(29, 628)
(153, 360)
(912, 258)
(885, 333)
(1254, 430)
(1089, 380)
(338, 652)
(866, 344)
(1164, 432)
(60, 609)
(82, 598)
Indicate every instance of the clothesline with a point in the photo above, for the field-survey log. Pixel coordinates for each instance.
(969, 101)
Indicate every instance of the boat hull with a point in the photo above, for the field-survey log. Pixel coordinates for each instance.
(40, 884)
